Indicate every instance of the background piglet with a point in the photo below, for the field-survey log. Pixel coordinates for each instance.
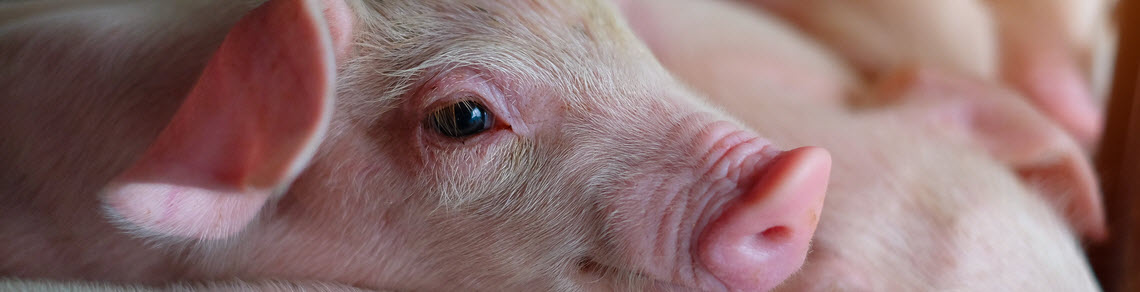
(1057, 53)
(927, 59)
(925, 191)
(476, 145)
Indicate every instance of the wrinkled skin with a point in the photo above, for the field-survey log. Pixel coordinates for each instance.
(925, 192)
(907, 210)
(596, 169)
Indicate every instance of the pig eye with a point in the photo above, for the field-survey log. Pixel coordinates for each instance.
(461, 119)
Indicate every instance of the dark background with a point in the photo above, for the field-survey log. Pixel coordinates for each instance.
(1117, 261)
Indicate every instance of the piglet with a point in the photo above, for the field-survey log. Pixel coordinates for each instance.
(1056, 53)
(405, 145)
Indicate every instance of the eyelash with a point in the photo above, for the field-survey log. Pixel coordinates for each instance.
(461, 119)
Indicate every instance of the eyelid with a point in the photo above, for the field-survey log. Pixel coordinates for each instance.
(457, 86)
(446, 101)
(469, 84)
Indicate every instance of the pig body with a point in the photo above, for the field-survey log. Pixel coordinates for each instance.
(908, 213)
(1056, 53)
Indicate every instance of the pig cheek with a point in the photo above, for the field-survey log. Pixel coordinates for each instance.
(353, 216)
(651, 198)
(461, 172)
(355, 179)
(502, 200)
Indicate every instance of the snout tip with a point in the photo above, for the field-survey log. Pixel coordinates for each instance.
(762, 237)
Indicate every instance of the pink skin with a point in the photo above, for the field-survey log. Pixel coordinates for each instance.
(597, 171)
(387, 203)
(1047, 50)
(791, 65)
(212, 155)
(876, 36)
(937, 177)
(734, 262)
(929, 87)
(990, 117)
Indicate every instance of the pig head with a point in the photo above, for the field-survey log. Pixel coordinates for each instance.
(482, 145)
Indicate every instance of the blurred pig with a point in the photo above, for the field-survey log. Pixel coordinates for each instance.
(1057, 53)
(756, 52)
(945, 187)
(471, 145)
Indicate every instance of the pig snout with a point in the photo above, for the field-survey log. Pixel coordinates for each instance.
(742, 221)
(779, 212)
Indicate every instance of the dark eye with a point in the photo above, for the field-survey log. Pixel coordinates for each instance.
(461, 119)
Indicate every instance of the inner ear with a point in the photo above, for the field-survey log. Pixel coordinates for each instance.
(250, 125)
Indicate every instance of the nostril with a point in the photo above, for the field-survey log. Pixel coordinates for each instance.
(776, 234)
(762, 237)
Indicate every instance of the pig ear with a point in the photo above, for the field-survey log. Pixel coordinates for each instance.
(248, 127)
(1012, 131)
(1053, 81)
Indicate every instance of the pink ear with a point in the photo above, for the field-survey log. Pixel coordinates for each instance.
(1040, 59)
(247, 128)
(1053, 81)
(1012, 130)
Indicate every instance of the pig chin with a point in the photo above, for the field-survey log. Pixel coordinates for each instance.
(707, 224)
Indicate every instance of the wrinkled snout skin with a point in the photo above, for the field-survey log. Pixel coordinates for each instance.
(597, 170)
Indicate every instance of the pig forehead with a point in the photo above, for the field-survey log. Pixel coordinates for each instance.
(544, 49)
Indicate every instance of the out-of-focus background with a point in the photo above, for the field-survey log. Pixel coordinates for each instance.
(1117, 261)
